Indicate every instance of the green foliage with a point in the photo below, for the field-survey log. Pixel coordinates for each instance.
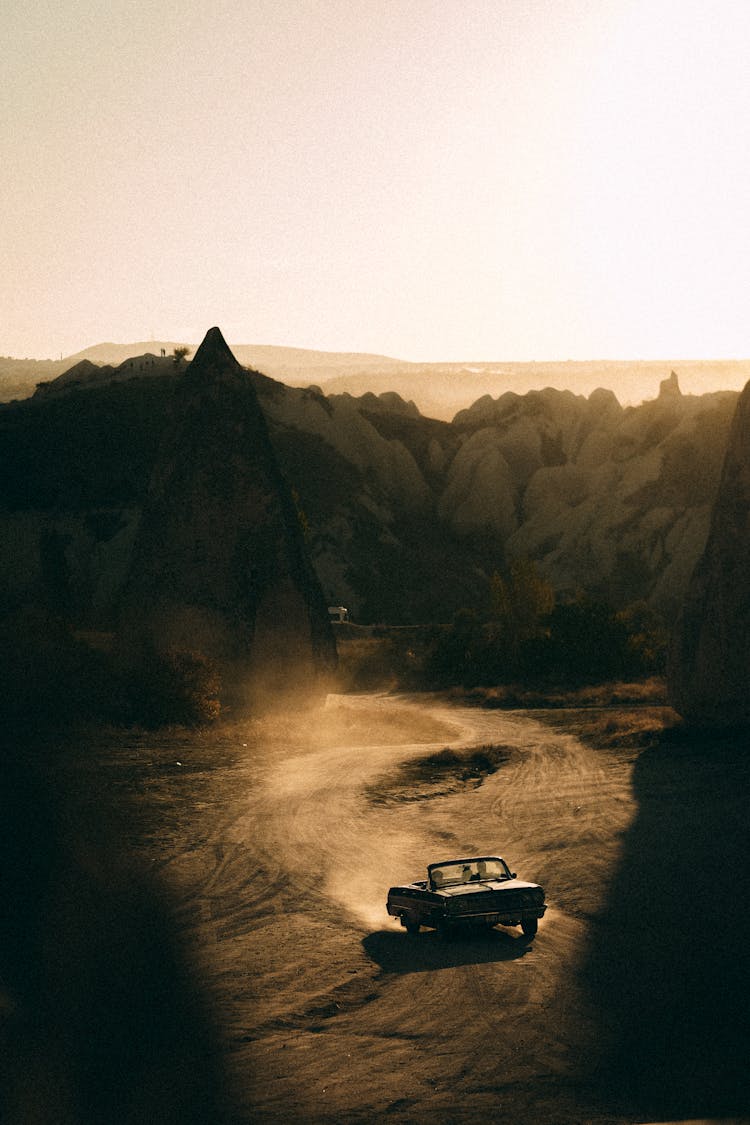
(472, 653)
(587, 643)
(459, 654)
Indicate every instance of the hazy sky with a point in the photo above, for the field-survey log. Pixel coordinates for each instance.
(430, 179)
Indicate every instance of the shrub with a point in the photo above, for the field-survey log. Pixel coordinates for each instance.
(455, 658)
(581, 642)
(161, 687)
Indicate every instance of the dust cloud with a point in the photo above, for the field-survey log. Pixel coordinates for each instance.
(330, 833)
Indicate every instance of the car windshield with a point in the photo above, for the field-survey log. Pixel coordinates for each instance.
(468, 871)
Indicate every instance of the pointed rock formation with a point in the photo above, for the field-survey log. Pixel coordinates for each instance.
(709, 676)
(220, 565)
(670, 388)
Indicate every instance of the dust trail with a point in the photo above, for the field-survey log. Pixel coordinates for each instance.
(319, 825)
(336, 847)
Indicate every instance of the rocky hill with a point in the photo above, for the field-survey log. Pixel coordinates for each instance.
(19, 377)
(154, 508)
(710, 659)
(299, 366)
(410, 515)
(614, 501)
(219, 561)
(405, 517)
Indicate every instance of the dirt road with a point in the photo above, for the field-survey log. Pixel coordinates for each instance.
(282, 840)
(332, 1013)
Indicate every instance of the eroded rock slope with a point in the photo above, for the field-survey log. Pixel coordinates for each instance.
(609, 500)
(405, 517)
(219, 561)
(709, 676)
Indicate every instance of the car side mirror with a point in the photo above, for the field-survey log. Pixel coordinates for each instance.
(513, 875)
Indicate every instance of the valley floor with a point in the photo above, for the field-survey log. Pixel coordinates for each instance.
(279, 840)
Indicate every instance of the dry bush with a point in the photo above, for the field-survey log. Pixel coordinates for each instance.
(170, 686)
(518, 697)
(617, 729)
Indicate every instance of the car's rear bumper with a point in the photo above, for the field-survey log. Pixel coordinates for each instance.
(400, 909)
(496, 918)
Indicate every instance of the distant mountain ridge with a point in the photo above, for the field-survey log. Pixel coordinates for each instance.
(249, 355)
(439, 390)
(296, 366)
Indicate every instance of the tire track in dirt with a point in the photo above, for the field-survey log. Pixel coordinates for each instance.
(425, 1004)
(330, 1010)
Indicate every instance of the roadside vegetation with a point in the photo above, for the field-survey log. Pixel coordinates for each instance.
(53, 678)
(529, 638)
(626, 731)
(521, 648)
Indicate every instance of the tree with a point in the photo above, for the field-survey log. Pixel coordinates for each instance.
(181, 352)
(456, 656)
(520, 603)
(589, 643)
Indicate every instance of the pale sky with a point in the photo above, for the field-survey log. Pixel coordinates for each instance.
(429, 179)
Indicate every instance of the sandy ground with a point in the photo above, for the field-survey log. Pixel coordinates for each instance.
(279, 841)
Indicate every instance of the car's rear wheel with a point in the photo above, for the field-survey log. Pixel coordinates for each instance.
(530, 927)
(412, 926)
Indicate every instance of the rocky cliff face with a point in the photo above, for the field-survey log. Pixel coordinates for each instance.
(361, 472)
(709, 675)
(408, 516)
(219, 563)
(612, 501)
(404, 517)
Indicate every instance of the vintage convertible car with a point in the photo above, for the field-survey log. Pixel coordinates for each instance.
(461, 894)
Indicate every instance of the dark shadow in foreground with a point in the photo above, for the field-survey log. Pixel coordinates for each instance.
(102, 1015)
(669, 969)
(398, 952)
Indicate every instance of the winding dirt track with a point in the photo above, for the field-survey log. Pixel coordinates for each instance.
(331, 1012)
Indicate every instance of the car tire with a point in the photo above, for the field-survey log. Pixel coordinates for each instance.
(412, 926)
(530, 927)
